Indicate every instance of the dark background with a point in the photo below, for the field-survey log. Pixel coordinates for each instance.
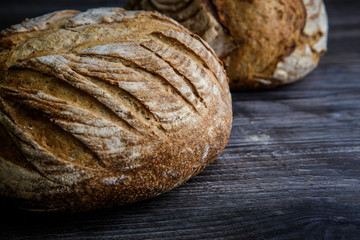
(291, 169)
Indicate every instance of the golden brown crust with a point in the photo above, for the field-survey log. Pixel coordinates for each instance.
(266, 32)
(262, 43)
(312, 44)
(198, 16)
(106, 107)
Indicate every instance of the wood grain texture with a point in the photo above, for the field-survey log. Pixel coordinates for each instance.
(291, 169)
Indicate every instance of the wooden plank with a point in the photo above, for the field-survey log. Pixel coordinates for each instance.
(291, 169)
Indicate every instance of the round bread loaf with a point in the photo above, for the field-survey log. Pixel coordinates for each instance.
(106, 107)
(263, 44)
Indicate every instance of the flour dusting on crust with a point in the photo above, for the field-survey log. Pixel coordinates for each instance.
(306, 56)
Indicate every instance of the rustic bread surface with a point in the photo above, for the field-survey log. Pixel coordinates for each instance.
(106, 107)
(263, 44)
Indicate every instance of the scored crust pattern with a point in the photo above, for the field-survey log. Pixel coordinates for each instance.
(262, 43)
(106, 107)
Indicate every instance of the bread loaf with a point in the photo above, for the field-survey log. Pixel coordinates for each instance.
(106, 107)
(263, 44)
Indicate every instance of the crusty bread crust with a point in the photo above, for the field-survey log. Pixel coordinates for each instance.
(263, 44)
(106, 107)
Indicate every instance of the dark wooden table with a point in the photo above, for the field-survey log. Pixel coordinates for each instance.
(291, 169)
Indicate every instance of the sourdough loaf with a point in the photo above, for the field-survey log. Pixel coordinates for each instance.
(106, 107)
(263, 44)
